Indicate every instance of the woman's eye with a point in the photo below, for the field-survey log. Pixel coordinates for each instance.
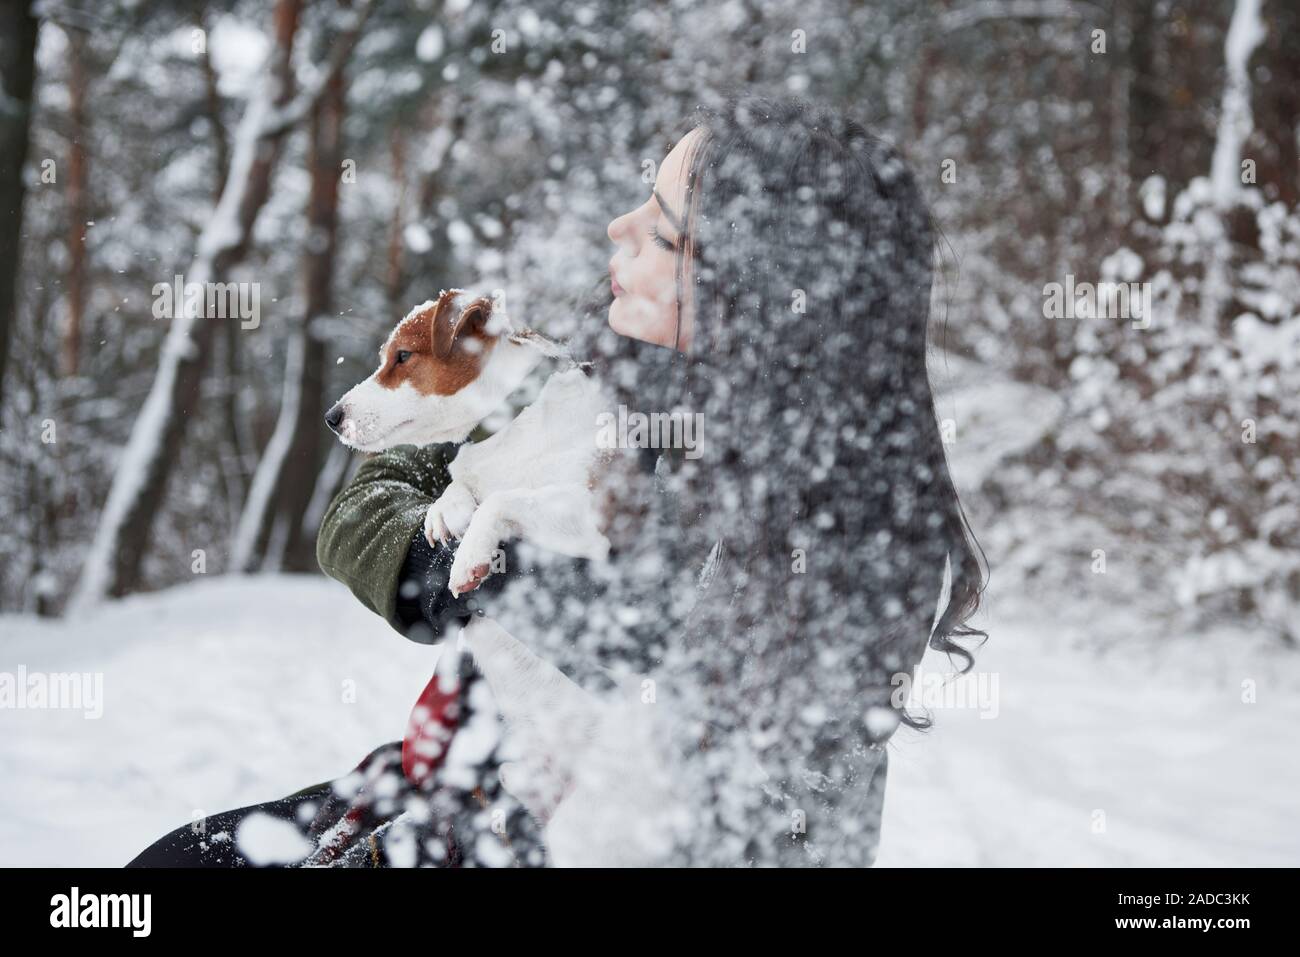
(659, 240)
(402, 356)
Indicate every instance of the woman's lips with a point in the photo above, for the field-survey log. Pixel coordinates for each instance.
(614, 286)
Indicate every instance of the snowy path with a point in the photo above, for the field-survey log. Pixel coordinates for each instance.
(233, 691)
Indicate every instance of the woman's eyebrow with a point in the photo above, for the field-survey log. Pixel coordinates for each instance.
(668, 213)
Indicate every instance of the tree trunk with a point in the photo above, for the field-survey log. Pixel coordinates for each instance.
(1172, 52)
(1245, 34)
(140, 480)
(17, 74)
(308, 455)
(286, 475)
(395, 260)
(235, 454)
(77, 206)
(1276, 105)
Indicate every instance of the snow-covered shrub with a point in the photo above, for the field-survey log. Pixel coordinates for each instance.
(1177, 426)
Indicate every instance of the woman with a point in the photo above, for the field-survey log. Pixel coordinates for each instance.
(788, 254)
(780, 574)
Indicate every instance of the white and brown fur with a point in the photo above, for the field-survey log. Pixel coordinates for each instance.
(448, 365)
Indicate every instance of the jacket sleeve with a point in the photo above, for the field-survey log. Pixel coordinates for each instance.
(371, 524)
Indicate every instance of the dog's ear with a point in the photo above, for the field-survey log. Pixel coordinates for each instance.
(448, 328)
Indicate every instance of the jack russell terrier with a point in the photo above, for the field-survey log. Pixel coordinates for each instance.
(447, 366)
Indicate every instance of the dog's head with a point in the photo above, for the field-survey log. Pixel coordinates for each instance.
(434, 382)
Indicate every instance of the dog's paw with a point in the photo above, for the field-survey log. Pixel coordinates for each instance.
(475, 556)
(450, 515)
(466, 580)
(469, 570)
(436, 531)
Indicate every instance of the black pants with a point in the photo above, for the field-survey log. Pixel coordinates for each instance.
(210, 842)
(373, 812)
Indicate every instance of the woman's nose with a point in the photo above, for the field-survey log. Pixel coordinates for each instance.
(617, 230)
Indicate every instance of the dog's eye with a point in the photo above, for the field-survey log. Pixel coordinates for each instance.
(402, 356)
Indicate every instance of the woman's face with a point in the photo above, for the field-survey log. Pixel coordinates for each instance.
(643, 270)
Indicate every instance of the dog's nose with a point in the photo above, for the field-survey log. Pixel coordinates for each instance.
(334, 417)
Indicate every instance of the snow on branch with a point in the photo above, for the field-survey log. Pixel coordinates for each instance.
(1245, 34)
(352, 21)
(142, 465)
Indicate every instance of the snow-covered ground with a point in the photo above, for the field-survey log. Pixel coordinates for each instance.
(1145, 757)
(216, 695)
(232, 691)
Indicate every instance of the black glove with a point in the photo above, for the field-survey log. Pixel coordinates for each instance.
(425, 605)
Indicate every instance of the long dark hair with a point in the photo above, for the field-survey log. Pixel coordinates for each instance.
(811, 259)
(820, 491)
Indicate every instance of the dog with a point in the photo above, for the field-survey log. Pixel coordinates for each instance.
(446, 366)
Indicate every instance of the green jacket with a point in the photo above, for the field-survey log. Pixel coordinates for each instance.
(369, 526)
